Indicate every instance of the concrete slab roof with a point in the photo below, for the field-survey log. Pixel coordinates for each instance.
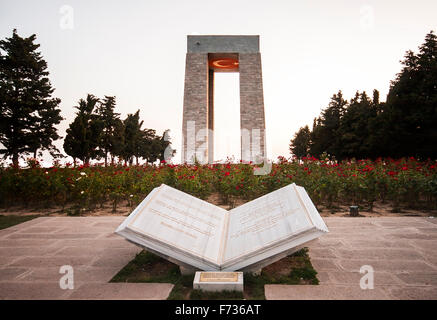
(223, 44)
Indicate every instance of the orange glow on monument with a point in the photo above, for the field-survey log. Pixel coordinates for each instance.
(225, 63)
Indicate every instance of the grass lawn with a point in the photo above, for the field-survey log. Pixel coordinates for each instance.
(147, 267)
(12, 220)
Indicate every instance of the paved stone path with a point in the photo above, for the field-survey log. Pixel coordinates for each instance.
(32, 253)
(401, 250)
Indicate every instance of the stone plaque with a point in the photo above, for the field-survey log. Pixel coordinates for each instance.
(218, 277)
(218, 281)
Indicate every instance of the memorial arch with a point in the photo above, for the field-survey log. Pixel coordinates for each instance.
(205, 56)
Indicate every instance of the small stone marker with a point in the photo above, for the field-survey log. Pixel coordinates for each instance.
(218, 281)
(353, 211)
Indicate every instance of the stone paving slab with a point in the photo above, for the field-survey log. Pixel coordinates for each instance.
(401, 250)
(413, 293)
(123, 291)
(32, 253)
(32, 291)
(82, 274)
(322, 292)
(394, 266)
(9, 274)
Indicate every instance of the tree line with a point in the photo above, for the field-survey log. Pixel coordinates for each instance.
(98, 132)
(365, 127)
(29, 115)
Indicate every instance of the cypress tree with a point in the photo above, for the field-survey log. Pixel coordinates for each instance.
(300, 144)
(110, 120)
(84, 133)
(411, 107)
(28, 112)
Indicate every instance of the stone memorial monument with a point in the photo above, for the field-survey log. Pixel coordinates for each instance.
(205, 56)
(199, 235)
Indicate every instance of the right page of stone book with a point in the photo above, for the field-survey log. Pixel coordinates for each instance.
(265, 221)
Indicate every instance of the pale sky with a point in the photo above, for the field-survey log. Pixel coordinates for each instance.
(136, 50)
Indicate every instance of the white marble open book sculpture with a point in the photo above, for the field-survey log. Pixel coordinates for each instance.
(193, 232)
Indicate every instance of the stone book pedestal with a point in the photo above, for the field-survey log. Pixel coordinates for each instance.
(196, 234)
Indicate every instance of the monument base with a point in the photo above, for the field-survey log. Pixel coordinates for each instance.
(218, 281)
(185, 271)
(257, 267)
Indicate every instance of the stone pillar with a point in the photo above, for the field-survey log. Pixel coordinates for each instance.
(195, 114)
(211, 116)
(252, 118)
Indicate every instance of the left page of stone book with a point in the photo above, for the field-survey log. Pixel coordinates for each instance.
(178, 225)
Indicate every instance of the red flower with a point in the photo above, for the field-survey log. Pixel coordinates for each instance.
(367, 168)
(227, 173)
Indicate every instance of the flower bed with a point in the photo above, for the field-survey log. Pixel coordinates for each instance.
(403, 182)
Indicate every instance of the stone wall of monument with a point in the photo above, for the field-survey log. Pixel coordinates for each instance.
(195, 107)
(251, 107)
